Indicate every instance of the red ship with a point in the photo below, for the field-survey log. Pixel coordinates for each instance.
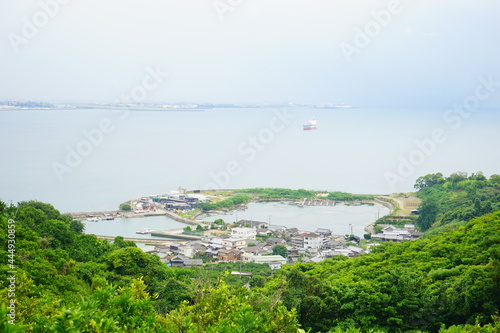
(310, 125)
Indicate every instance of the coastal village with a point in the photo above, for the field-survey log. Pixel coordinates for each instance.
(249, 240)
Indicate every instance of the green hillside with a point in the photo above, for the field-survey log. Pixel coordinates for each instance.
(448, 202)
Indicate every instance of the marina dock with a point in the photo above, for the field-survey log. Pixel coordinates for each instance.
(317, 202)
(121, 214)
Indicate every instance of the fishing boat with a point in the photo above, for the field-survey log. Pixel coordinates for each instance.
(311, 125)
(144, 231)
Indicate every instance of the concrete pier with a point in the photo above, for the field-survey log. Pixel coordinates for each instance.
(140, 240)
(317, 202)
(175, 233)
(122, 214)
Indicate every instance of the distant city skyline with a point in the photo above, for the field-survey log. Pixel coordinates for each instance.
(369, 53)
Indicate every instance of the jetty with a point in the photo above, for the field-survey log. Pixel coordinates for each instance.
(323, 202)
(126, 214)
(140, 240)
(317, 202)
(175, 234)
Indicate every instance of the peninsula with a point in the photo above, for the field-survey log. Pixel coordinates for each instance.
(186, 206)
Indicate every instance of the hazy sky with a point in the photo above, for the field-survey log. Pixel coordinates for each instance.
(365, 53)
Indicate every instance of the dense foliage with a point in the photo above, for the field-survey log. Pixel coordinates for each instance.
(448, 202)
(285, 193)
(279, 193)
(230, 202)
(343, 196)
(67, 281)
(448, 279)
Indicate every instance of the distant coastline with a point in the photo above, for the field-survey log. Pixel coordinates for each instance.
(200, 107)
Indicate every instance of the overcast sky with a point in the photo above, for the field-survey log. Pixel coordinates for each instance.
(366, 53)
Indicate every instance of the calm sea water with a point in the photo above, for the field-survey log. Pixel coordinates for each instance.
(143, 153)
(128, 227)
(339, 218)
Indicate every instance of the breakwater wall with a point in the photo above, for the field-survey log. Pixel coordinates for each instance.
(83, 215)
(140, 240)
(180, 219)
(389, 203)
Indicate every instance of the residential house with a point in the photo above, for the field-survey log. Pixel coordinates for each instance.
(229, 255)
(312, 240)
(393, 234)
(340, 251)
(247, 256)
(234, 242)
(186, 250)
(323, 232)
(356, 250)
(213, 250)
(246, 233)
(339, 238)
(218, 240)
(316, 259)
(255, 250)
(182, 261)
(197, 246)
(259, 226)
(332, 244)
(275, 241)
(174, 247)
(297, 241)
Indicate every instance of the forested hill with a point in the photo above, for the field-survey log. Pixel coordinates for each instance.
(62, 280)
(448, 202)
(446, 279)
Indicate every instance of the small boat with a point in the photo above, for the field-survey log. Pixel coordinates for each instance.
(311, 125)
(94, 219)
(144, 231)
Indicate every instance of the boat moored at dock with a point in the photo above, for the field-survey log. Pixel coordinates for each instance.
(144, 231)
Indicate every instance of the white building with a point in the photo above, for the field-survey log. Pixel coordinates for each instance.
(246, 233)
(274, 262)
(391, 233)
(234, 242)
(312, 240)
